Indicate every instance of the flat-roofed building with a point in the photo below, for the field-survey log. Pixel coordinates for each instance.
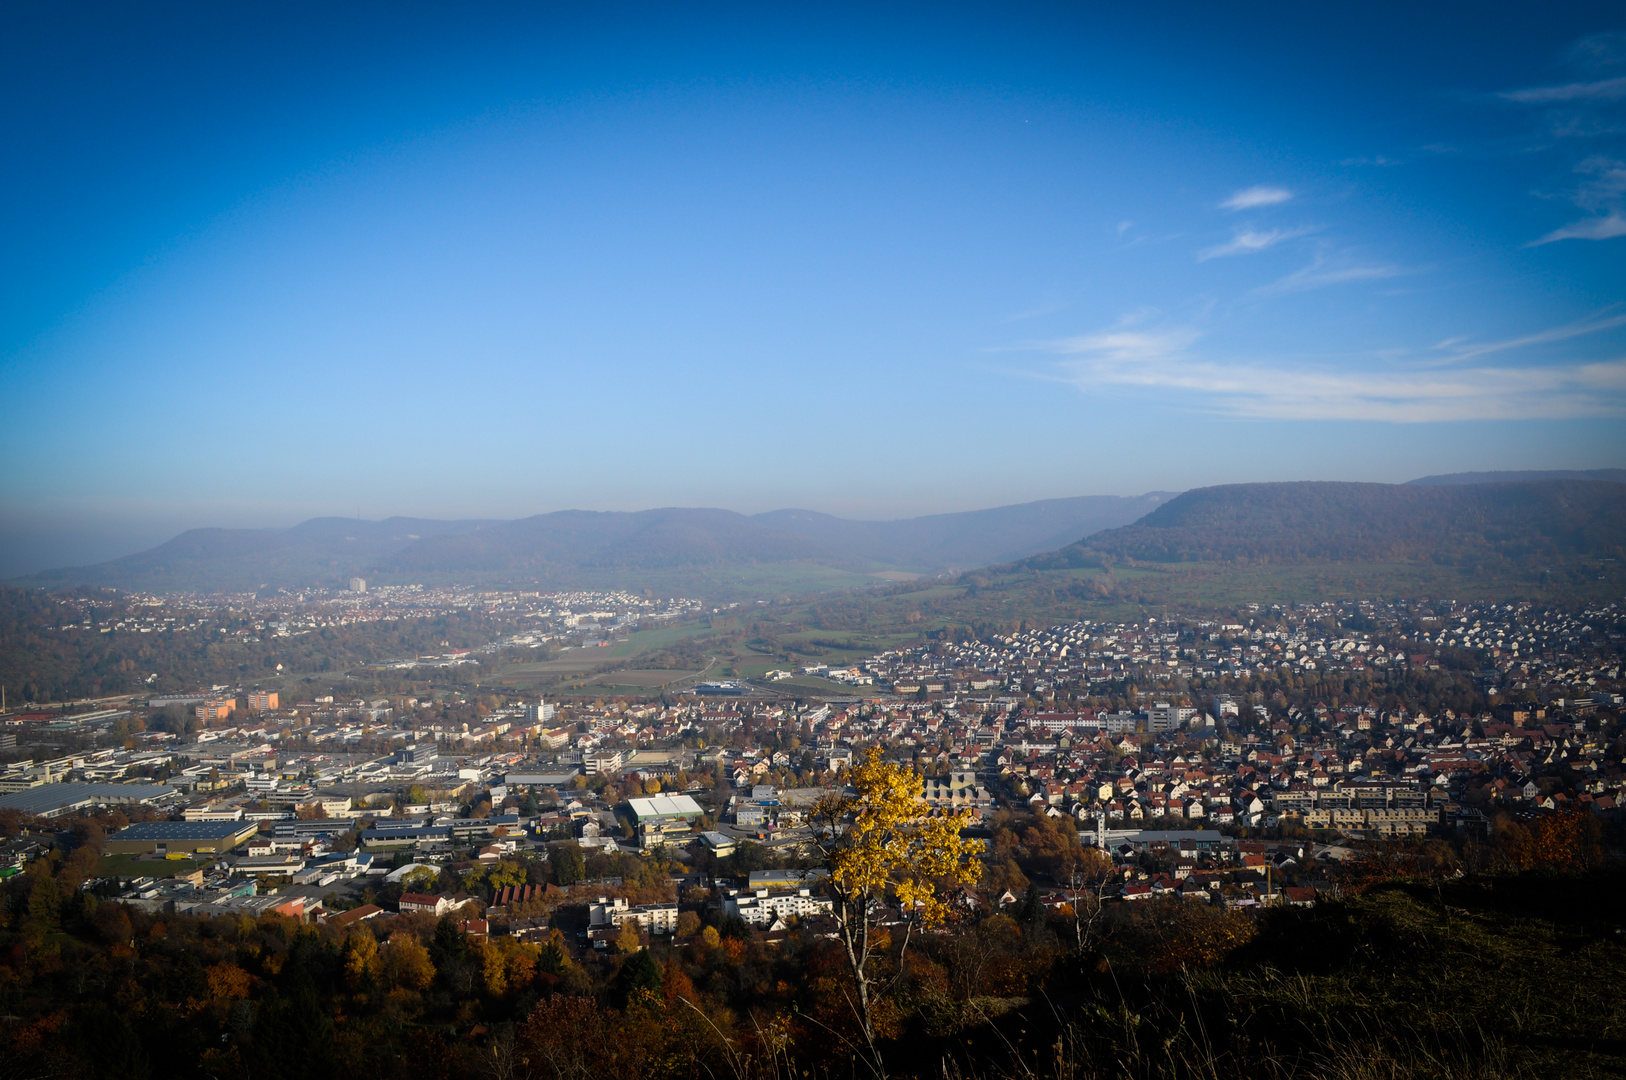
(215, 708)
(655, 918)
(764, 907)
(213, 813)
(193, 837)
(410, 834)
(717, 843)
(662, 819)
(282, 863)
(604, 762)
(540, 779)
(52, 800)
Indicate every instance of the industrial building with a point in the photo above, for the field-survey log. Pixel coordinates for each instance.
(193, 837)
(662, 819)
(54, 800)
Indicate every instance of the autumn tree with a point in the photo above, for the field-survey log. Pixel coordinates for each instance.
(569, 866)
(361, 964)
(407, 964)
(627, 939)
(422, 879)
(881, 841)
(493, 968)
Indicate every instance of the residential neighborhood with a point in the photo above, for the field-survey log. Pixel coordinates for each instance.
(1155, 743)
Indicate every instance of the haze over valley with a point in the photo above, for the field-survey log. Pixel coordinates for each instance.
(661, 542)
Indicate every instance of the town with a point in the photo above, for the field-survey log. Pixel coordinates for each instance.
(493, 876)
(1240, 764)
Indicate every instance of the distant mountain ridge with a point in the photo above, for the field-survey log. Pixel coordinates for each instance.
(1509, 526)
(321, 550)
(573, 547)
(1613, 476)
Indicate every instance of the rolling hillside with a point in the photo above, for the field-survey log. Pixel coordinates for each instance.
(322, 551)
(593, 549)
(1517, 527)
(974, 538)
(1612, 476)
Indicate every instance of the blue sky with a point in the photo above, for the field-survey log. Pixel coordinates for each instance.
(265, 264)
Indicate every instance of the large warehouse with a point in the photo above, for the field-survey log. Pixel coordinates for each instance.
(663, 819)
(54, 800)
(163, 837)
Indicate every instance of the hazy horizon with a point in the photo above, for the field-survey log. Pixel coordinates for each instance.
(866, 261)
(113, 546)
(21, 560)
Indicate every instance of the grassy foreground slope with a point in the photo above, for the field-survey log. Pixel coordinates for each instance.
(1485, 976)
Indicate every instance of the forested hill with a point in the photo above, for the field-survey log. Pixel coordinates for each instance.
(1610, 476)
(575, 545)
(583, 549)
(1521, 527)
(321, 551)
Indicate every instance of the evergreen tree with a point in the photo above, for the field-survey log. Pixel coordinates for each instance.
(639, 974)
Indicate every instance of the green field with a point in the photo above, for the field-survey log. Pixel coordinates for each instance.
(129, 866)
(648, 641)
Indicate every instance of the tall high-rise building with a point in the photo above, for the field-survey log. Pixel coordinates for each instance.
(358, 584)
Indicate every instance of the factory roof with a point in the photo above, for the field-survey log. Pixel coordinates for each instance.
(181, 830)
(656, 806)
(49, 799)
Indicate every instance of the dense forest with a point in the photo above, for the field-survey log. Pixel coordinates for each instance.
(1487, 528)
(1493, 959)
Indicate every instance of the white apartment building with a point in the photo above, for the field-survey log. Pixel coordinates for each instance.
(764, 908)
(655, 918)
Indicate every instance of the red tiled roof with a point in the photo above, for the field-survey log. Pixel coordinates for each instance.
(355, 915)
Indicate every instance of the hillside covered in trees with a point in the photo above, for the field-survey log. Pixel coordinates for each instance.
(580, 549)
(1525, 529)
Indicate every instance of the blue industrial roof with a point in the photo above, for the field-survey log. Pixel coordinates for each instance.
(47, 798)
(181, 830)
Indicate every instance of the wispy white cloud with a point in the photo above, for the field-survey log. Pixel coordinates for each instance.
(1131, 354)
(1606, 183)
(1324, 271)
(1460, 351)
(1602, 195)
(1601, 90)
(1124, 344)
(1253, 197)
(1607, 227)
(1583, 111)
(1247, 241)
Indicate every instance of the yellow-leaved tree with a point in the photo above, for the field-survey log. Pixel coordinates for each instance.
(882, 842)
